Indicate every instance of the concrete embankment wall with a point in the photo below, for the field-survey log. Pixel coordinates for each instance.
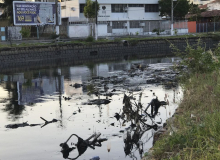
(71, 54)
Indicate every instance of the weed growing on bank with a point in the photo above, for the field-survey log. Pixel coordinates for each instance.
(197, 58)
(197, 121)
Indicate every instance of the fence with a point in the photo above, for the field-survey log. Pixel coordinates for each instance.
(85, 28)
(208, 27)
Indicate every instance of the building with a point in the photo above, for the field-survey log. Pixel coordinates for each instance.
(211, 14)
(200, 2)
(211, 6)
(115, 18)
(124, 17)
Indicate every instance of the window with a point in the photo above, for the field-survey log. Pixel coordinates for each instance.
(117, 8)
(118, 24)
(151, 8)
(135, 5)
(81, 7)
(135, 24)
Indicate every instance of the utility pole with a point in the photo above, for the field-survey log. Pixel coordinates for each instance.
(171, 17)
(96, 24)
(172, 8)
(57, 22)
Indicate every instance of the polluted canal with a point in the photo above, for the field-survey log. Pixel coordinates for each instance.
(107, 111)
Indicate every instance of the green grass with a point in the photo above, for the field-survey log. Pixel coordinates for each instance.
(198, 125)
(197, 122)
(133, 40)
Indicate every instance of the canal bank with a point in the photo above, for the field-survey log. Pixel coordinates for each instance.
(193, 132)
(94, 52)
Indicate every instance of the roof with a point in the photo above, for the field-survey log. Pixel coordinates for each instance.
(214, 13)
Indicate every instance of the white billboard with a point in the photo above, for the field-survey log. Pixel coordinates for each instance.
(35, 13)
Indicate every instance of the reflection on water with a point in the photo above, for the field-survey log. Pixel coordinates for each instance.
(25, 97)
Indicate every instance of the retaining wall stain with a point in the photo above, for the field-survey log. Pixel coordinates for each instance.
(11, 58)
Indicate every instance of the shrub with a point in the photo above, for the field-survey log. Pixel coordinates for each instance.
(89, 39)
(54, 35)
(133, 42)
(157, 30)
(197, 59)
(25, 32)
(175, 31)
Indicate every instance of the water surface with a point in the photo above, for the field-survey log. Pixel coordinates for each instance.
(27, 96)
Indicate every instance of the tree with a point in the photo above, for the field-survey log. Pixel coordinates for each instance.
(195, 12)
(89, 9)
(8, 10)
(181, 8)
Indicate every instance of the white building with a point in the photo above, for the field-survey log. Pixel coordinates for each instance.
(213, 6)
(114, 17)
(200, 2)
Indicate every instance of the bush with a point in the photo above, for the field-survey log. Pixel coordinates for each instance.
(89, 39)
(25, 32)
(54, 35)
(157, 30)
(133, 42)
(199, 60)
(175, 31)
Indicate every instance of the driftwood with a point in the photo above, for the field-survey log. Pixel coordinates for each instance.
(26, 124)
(97, 102)
(81, 145)
(132, 112)
(48, 122)
(18, 125)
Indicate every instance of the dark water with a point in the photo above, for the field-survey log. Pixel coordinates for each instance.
(25, 97)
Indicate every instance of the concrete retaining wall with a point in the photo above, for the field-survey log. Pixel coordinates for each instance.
(12, 58)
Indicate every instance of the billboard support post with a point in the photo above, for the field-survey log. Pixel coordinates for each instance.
(37, 32)
(57, 24)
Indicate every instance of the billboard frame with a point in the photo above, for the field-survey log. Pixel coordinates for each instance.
(36, 24)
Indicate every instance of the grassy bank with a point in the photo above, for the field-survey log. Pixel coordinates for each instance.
(197, 122)
(89, 40)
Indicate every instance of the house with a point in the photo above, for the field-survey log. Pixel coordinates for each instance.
(200, 2)
(211, 14)
(213, 5)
